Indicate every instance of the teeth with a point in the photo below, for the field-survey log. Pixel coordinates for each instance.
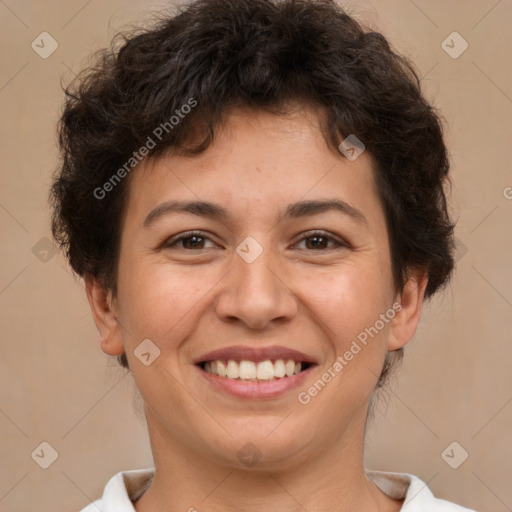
(249, 370)
(232, 371)
(279, 368)
(265, 370)
(221, 369)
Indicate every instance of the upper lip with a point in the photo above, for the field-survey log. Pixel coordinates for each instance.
(243, 353)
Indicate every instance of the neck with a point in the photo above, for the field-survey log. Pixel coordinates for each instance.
(333, 479)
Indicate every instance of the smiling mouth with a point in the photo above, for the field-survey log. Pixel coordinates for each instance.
(251, 371)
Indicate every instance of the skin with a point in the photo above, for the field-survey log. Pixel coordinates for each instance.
(190, 299)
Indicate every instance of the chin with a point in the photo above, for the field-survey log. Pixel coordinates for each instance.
(262, 444)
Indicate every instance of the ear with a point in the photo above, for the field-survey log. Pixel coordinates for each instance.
(101, 303)
(407, 317)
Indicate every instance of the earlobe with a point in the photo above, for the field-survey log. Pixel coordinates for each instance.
(101, 303)
(406, 320)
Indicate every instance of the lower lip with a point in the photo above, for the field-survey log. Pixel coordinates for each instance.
(263, 389)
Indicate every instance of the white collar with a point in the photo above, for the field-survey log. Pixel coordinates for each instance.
(127, 486)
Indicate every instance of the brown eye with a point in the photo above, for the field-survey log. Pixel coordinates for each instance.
(193, 242)
(188, 241)
(320, 241)
(317, 242)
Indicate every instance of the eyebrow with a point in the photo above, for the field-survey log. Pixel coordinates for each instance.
(215, 211)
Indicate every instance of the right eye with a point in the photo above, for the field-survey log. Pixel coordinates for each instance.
(194, 240)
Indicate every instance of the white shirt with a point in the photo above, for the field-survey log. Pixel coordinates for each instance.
(124, 488)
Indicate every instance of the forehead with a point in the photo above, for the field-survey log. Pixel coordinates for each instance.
(257, 164)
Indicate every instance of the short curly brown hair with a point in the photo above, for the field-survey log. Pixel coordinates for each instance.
(262, 54)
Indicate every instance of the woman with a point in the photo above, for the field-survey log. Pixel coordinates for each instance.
(253, 193)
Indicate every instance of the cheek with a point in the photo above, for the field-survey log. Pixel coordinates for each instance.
(348, 301)
(350, 309)
(159, 301)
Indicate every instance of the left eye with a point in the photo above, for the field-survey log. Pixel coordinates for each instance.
(320, 240)
(191, 241)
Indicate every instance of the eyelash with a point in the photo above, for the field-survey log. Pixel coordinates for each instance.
(190, 234)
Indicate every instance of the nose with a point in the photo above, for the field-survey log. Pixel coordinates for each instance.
(256, 293)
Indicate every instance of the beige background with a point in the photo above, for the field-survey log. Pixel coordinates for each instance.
(455, 385)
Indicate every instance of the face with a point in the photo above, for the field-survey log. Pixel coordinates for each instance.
(268, 276)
